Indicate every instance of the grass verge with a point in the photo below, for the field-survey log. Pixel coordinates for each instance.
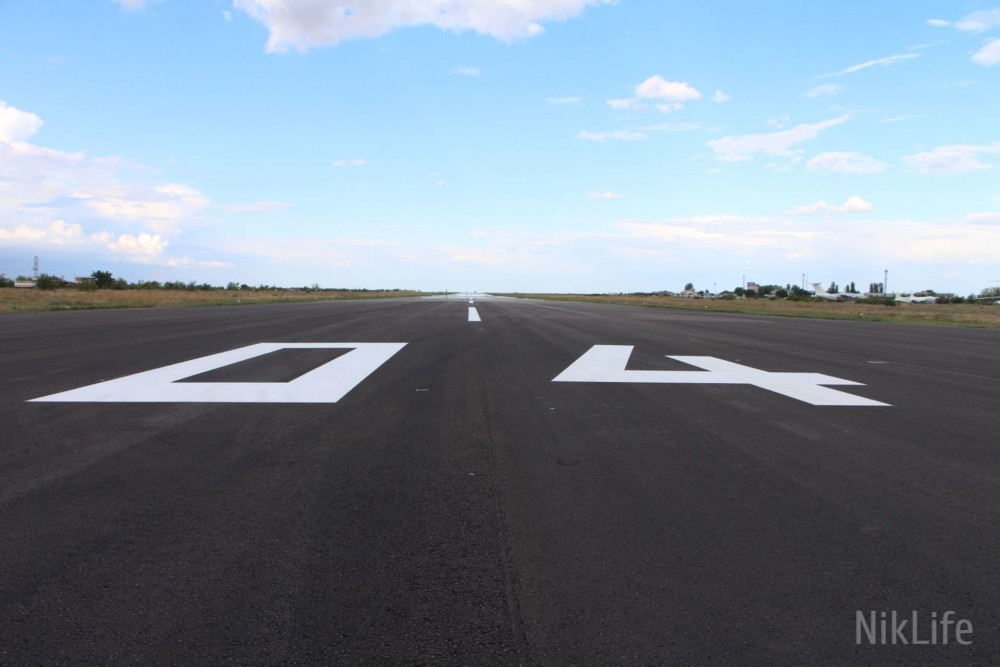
(960, 314)
(22, 300)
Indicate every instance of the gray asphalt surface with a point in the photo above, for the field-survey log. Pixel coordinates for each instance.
(459, 507)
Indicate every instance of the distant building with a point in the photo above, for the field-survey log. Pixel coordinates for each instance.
(24, 283)
(753, 287)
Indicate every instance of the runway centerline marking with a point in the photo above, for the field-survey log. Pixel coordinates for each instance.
(327, 383)
(606, 363)
(474, 315)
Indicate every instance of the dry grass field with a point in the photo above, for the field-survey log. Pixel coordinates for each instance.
(961, 314)
(20, 300)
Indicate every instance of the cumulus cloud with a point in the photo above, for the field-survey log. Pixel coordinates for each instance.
(84, 204)
(304, 24)
(57, 233)
(938, 23)
(594, 194)
(853, 204)
(670, 95)
(665, 95)
(141, 248)
(17, 125)
(719, 97)
(954, 159)
(878, 62)
(989, 55)
(846, 162)
(738, 148)
(658, 88)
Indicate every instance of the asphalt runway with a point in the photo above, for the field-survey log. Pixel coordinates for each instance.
(457, 506)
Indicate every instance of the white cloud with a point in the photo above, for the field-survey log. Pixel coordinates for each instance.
(846, 162)
(357, 162)
(467, 70)
(980, 21)
(141, 248)
(853, 204)
(305, 24)
(17, 125)
(938, 23)
(989, 55)
(594, 194)
(955, 159)
(57, 233)
(564, 100)
(658, 88)
(743, 147)
(39, 185)
(878, 62)
(161, 209)
(616, 135)
(132, 4)
(623, 103)
(990, 218)
(719, 97)
(779, 123)
(257, 207)
(824, 90)
(666, 95)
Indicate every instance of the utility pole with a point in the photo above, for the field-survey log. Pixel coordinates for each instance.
(885, 282)
(36, 267)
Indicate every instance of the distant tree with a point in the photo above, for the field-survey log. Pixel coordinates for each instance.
(852, 289)
(833, 288)
(781, 293)
(689, 287)
(739, 291)
(45, 281)
(799, 294)
(5, 281)
(102, 279)
(119, 284)
(990, 292)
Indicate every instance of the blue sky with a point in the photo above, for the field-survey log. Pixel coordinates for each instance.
(502, 145)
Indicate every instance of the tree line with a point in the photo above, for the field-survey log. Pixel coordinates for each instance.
(105, 280)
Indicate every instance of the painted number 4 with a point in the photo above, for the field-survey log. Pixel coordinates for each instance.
(606, 363)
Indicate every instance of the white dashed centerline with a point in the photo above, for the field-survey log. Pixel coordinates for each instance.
(474, 315)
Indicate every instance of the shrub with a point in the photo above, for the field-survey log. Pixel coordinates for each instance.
(45, 281)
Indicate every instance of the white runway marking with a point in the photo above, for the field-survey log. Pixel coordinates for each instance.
(325, 384)
(606, 363)
(474, 315)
